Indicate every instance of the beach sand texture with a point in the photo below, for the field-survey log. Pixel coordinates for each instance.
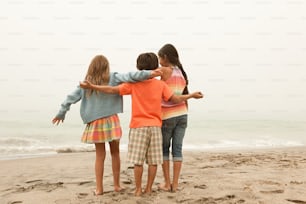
(265, 176)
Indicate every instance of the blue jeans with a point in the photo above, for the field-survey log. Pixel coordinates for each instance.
(173, 131)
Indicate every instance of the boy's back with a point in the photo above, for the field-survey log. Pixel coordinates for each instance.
(146, 101)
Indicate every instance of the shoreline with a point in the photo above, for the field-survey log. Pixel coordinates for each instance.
(124, 150)
(269, 175)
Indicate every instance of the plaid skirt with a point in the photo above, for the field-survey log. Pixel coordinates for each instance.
(102, 130)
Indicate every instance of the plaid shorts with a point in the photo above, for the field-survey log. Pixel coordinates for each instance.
(145, 144)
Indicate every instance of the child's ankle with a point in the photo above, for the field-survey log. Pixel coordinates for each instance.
(138, 192)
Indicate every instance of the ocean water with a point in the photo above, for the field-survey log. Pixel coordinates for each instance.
(247, 57)
(26, 139)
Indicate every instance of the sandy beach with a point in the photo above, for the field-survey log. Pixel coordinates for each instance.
(270, 176)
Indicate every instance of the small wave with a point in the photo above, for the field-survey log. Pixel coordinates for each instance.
(24, 150)
(74, 149)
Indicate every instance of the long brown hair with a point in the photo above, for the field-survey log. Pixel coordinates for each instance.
(98, 72)
(170, 52)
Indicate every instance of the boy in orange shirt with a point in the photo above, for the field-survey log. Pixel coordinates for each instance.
(145, 137)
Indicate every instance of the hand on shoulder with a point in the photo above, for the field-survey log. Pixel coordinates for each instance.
(157, 72)
(85, 84)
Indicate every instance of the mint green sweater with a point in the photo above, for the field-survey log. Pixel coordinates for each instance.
(100, 105)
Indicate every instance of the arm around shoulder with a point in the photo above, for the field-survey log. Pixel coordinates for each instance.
(132, 76)
(102, 88)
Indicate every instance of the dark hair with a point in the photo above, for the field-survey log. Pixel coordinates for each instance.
(147, 61)
(170, 52)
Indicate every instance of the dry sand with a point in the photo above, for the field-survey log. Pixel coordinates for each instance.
(271, 176)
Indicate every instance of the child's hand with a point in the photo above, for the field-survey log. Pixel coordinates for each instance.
(197, 95)
(155, 73)
(56, 121)
(85, 84)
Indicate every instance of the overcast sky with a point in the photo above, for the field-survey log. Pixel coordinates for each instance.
(247, 57)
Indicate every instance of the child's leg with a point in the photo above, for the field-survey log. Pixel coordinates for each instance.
(138, 143)
(166, 171)
(114, 149)
(177, 165)
(99, 167)
(151, 176)
(138, 170)
(177, 143)
(167, 130)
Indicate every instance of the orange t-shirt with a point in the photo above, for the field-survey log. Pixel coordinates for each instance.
(146, 101)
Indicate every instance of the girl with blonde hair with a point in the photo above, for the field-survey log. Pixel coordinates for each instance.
(99, 112)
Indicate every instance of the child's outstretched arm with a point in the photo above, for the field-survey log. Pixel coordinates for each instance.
(71, 98)
(181, 98)
(105, 89)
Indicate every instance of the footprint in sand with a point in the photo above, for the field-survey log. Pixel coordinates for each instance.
(84, 182)
(271, 187)
(15, 202)
(272, 191)
(34, 181)
(226, 198)
(129, 181)
(48, 187)
(297, 201)
(270, 183)
(203, 186)
(296, 182)
(82, 195)
(62, 201)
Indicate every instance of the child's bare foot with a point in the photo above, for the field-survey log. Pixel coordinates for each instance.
(97, 193)
(164, 187)
(148, 192)
(119, 189)
(138, 192)
(174, 188)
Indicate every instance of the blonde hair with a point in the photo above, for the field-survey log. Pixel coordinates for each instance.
(98, 72)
